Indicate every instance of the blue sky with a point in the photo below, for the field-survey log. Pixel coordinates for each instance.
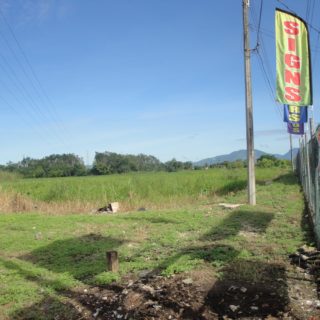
(160, 77)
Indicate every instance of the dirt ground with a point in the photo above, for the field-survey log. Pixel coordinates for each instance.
(285, 293)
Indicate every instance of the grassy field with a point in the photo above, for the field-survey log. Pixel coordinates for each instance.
(42, 256)
(149, 190)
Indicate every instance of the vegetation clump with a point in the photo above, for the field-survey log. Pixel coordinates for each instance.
(70, 165)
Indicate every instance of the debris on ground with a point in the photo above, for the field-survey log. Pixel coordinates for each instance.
(196, 295)
(230, 205)
(307, 259)
(111, 207)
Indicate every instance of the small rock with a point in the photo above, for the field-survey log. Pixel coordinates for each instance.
(85, 290)
(187, 281)
(130, 283)
(304, 257)
(105, 298)
(148, 289)
(309, 302)
(79, 309)
(125, 291)
(149, 303)
(232, 288)
(243, 289)
(157, 306)
(97, 312)
(254, 308)
(233, 307)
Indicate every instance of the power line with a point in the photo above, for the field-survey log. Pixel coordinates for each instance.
(292, 11)
(51, 108)
(11, 73)
(269, 85)
(20, 87)
(308, 10)
(265, 67)
(259, 24)
(26, 120)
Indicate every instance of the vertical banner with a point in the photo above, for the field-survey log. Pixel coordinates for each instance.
(294, 82)
(295, 128)
(295, 114)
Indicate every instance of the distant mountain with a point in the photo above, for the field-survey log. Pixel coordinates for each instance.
(241, 155)
(287, 156)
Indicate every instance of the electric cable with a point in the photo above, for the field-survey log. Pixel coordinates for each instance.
(51, 108)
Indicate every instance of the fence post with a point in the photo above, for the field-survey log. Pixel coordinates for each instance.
(308, 169)
(316, 220)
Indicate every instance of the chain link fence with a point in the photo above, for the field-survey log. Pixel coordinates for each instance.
(308, 168)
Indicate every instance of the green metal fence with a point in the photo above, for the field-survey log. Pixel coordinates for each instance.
(308, 168)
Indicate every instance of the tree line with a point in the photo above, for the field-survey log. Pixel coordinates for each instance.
(68, 165)
(265, 161)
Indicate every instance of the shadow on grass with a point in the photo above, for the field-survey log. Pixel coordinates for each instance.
(49, 308)
(254, 288)
(239, 185)
(240, 220)
(216, 253)
(82, 257)
(32, 275)
(287, 179)
(150, 219)
(63, 302)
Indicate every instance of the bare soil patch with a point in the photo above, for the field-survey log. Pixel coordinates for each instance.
(278, 294)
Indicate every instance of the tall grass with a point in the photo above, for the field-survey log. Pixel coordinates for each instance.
(134, 190)
(9, 176)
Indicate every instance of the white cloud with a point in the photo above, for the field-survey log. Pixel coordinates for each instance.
(34, 11)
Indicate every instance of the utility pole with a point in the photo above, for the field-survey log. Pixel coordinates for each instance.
(249, 116)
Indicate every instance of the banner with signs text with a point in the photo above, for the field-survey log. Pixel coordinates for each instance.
(295, 114)
(295, 128)
(294, 80)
